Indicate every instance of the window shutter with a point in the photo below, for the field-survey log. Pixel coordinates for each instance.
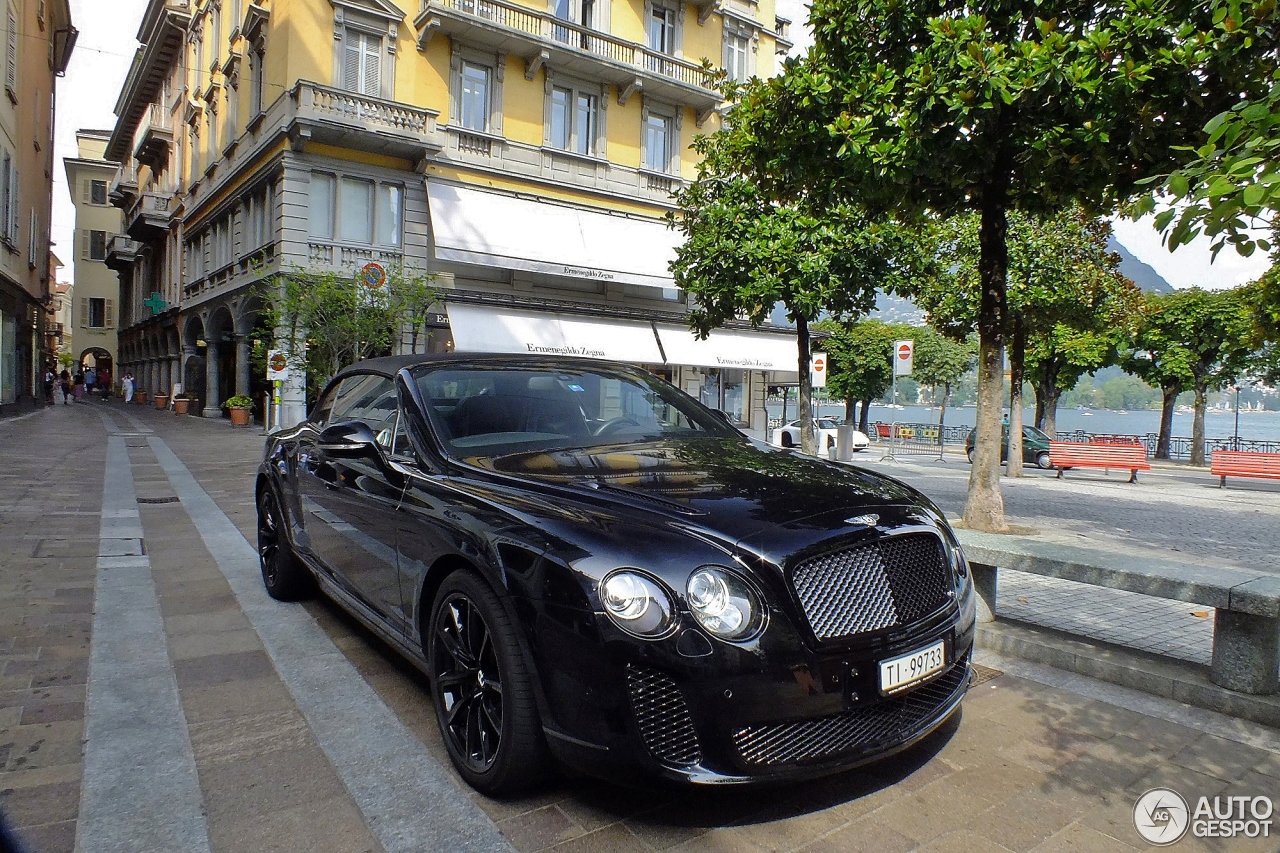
(31, 238)
(11, 57)
(84, 243)
(87, 193)
(13, 205)
(109, 314)
(84, 312)
(351, 62)
(372, 66)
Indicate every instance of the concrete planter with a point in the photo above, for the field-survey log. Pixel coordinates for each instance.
(239, 417)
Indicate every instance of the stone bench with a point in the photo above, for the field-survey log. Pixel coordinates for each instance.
(1246, 627)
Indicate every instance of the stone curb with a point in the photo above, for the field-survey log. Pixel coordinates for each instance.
(1177, 680)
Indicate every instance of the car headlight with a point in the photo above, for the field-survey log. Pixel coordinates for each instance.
(724, 604)
(637, 604)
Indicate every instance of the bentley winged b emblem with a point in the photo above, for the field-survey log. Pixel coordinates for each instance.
(867, 520)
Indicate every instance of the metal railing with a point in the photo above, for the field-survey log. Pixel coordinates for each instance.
(550, 28)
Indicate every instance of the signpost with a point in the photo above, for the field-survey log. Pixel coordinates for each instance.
(902, 358)
(277, 372)
(818, 369)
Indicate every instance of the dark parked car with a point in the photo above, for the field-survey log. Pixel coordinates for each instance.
(1035, 445)
(591, 566)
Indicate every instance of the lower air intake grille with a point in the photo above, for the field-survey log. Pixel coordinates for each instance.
(863, 730)
(663, 717)
(892, 581)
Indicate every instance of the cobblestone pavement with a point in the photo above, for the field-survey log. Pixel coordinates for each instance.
(295, 729)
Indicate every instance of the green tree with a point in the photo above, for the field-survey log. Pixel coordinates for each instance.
(325, 320)
(1195, 338)
(914, 105)
(861, 356)
(746, 251)
(940, 361)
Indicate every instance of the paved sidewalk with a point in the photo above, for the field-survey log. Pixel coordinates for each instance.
(299, 730)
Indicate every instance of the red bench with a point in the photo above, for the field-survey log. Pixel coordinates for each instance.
(1238, 463)
(1072, 454)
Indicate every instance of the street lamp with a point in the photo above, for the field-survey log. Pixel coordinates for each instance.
(1235, 439)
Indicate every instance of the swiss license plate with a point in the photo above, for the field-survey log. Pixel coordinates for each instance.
(901, 672)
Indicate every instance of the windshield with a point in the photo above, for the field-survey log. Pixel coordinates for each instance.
(1032, 432)
(826, 423)
(483, 411)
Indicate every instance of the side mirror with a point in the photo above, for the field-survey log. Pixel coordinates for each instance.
(350, 440)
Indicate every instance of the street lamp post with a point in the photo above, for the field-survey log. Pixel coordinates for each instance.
(1235, 439)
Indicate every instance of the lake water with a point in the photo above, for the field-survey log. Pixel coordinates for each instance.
(1258, 426)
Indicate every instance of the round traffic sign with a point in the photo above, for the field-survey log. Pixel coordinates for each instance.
(279, 362)
(904, 351)
(373, 275)
(819, 364)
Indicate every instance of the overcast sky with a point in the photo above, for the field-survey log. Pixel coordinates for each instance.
(87, 96)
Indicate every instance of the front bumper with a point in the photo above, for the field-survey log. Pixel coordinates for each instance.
(773, 713)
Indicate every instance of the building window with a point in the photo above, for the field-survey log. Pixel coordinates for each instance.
(365, 213)
(94, 245)
(321, 205)
(662, 30)
(256, 58)
(97, 312)
(475, 96)
(574, 121)
(390, 209)
(11, 58)
(97, 192)
(657, 142)
(355, 211)
(362, 63)
(33, 242)
(736, 49)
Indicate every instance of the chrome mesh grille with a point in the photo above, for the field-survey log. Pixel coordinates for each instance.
(892, 581)
(874, 727)
(663, 716)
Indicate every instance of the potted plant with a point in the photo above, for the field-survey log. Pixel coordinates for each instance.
(180, 404)
(140, 397)
(162, 401)
(239, 406)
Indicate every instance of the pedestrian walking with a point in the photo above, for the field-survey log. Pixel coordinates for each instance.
(48, 385)
(77, 387)
(65, 378)
(126, 386)
(90, 377)
(104, 382)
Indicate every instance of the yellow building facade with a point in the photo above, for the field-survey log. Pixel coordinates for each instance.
(92, 330)
(523, 153)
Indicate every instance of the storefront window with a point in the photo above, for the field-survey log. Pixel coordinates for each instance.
(725, 390)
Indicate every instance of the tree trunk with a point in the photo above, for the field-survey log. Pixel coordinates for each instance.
(1170, 396)
(864, 416)
(850, 411)
(1049, 423)
(786, 391)
(804, 406)
(1197, 423)
(1017, 357)
(984, 508)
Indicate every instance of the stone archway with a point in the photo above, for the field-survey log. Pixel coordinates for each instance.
(192, 362)
(220, 359)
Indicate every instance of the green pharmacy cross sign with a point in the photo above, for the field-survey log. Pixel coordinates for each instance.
(155, 303)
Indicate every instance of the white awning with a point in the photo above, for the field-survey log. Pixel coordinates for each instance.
(483, 328)
(476, 227)
(729, 348)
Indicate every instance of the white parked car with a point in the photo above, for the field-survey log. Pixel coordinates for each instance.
(788, 435)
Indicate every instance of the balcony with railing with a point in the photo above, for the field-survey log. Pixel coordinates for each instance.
(122, 251)
(154, 137)
(361, 122)
(149, 216)
(124, 186)
(542, 38)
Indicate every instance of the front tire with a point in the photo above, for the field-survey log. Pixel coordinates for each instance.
(283, 574)
(483, 689)
(1042, 460)
(786, 440)
(969, 453)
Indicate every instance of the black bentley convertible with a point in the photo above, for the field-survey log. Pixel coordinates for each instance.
(591, 566)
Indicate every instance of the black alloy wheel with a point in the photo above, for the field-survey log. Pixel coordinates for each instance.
(482, 688)
(284, 576)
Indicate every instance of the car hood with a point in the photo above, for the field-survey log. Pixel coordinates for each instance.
(770, 501)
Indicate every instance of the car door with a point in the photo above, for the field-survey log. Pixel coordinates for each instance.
(351, 502)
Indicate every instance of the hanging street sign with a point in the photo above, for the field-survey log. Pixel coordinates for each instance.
(902, 357)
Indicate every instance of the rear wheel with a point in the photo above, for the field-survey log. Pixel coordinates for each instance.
(483, 689)
(1042, 459)
(284, 576)
(969, 453)
(786, 440)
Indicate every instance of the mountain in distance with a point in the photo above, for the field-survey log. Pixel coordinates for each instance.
(1141, 274)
